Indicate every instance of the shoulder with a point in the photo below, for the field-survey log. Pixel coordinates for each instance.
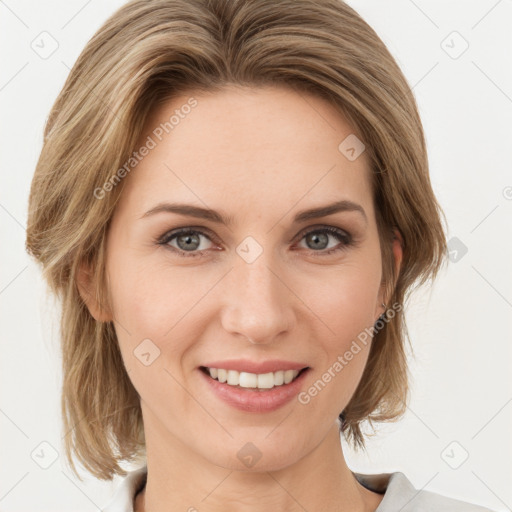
(400, 494)
(124, 495)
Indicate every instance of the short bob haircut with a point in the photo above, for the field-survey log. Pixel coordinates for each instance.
(147, 52)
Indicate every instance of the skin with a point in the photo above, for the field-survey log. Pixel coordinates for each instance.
(259, 155)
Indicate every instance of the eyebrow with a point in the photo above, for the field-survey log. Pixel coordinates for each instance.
(217, 217)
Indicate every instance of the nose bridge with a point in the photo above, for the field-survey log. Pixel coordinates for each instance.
(257, 302)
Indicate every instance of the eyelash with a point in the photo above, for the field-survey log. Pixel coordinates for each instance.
(342, 236)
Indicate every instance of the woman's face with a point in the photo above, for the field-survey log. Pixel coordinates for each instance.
(268, 284)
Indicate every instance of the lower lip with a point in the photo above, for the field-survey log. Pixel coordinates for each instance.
(253, 399)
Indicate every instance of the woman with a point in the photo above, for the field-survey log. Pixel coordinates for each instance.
(233, 202)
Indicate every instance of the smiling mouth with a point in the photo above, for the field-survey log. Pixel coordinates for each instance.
(262, 381)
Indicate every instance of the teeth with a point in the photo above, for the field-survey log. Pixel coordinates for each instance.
(233, 378)
(289, 375)
(253, 380)
(278, 378)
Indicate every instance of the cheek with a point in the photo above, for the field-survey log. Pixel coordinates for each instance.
(344, 305)
(344, 300)
(345, 308)
(152, 301)
(147, 300)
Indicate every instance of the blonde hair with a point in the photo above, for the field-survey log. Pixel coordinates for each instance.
(149, 51)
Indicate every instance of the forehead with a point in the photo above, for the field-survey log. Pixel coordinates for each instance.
(270, 147)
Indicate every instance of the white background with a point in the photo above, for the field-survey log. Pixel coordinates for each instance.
(460, 330)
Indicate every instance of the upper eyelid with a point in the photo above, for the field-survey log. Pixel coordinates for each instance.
(319, 227)
(185, 229)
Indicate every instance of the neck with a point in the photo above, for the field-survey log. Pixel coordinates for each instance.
(321, 480)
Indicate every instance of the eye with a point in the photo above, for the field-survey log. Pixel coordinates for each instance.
(187, 240)
(319, 239)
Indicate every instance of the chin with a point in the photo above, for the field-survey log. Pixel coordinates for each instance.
(256, 456)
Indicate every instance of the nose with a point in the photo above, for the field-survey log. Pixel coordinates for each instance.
(257, 301)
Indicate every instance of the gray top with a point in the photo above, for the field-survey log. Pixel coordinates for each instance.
(399, 494)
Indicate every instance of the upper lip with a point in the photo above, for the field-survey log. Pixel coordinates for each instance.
(245, 365)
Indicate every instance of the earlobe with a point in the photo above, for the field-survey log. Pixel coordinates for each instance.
(87, 289)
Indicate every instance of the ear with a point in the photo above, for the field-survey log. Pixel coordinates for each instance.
(398, 243)
(88, 291)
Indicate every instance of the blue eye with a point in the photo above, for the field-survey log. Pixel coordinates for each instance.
(188, 238)
(188, 241)
(320, 236)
